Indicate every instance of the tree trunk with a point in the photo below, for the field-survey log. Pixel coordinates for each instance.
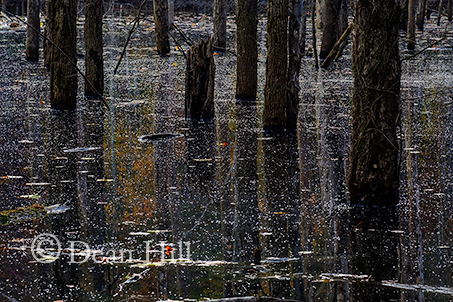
(32, 42)
(93, 47)
(331, 26)
(403, 18)
(220, 19)
(320, 9)
(373, 176)
(275, 91)
(171, 12)
(295, 55)
(411, 24)
(449, 3)
(200, 81)
(162, 30)
(421, 14)
(63, 75)
(47, 46)
(247, 51)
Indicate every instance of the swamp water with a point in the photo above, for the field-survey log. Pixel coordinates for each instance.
(221, 209)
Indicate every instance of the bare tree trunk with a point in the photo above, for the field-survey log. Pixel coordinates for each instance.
(320, 9)
(63, 75)
(94, 65)
(439, 12)
(373, 177)
(411, 24)
(331, 26)
(162, 29)
(171, 12)
(421, 14)
(247, 50)
(298, 9)
(47, 47)
(200, 81)
(32, 42)
(404, 13)
(275, 91)
(449, 3)
(220, 19)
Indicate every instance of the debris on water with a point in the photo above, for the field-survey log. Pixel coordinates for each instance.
(139, 233)
(81, 149)
(11, 177)
(56, 209)
(32, 196)
(33, 212)
(202, 159)
(38, 184)
(149, 138)
(104, 179)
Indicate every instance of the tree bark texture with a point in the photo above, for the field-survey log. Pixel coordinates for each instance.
(161, 22)
(298, 8)
(373, 178)
(275, 91)
(421, 14)
(449, 10)
(220, 20)
(200, 81)
(63, 75)
(93, 47)
(331, 26)
(32, 42)
(47, 46)
(247, 50)
(411, 24)
(403, 18)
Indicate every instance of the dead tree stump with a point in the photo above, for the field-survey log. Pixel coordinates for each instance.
(200, 81)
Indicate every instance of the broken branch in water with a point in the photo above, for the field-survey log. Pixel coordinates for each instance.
(63, 53)
(129, 36)
(336, 50)
(423, 49)
(186, 39)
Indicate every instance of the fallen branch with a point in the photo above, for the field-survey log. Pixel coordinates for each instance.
(186, 39)
(336, 48)
(62, 52)
(423, 49)
(129, 36)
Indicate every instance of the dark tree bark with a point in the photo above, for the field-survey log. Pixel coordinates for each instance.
(449, 15)
(220, 19)
(32, 42)
(298, 9)
(247, 51)
(162, 29)
(330, 32)
(200, 81)
(275, 92)
(93, 47)
(63, 75)
(403, 18)
(373, 176)
(47, 46)
(421, 14)
(411, 24)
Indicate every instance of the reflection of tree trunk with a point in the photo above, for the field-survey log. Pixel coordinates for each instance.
(247, 49)
(93, 47)
(63, 75)
(63, 175)
(275, 92)
(167, 196)
(32, 42)
(411, 239)
(282, 204)
(224, 171)
(246, 188)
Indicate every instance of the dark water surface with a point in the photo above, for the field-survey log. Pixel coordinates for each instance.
(219, 209)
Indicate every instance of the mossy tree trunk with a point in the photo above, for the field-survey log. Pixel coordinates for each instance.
(32, 42)
(296, 40)
(63, 75)
(411, 24)
(200, 81)
(162, 28)
(275, 91)
(220, 19)
(373, 176)
(247, 51)
(330, 33)
(93, 48)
